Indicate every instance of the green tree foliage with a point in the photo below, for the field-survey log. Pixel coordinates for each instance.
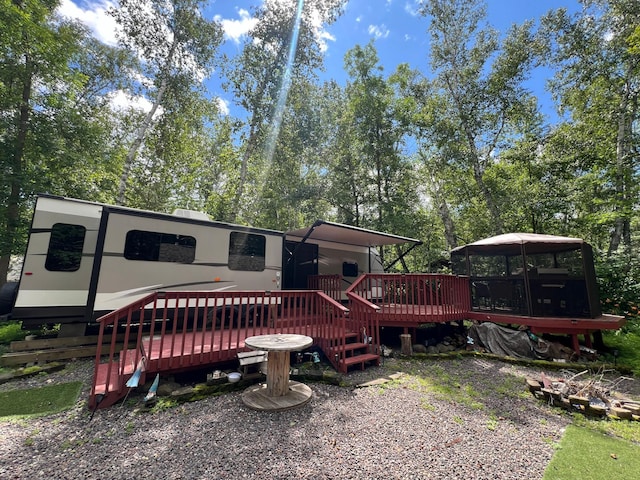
(634, 41)
(373, 178)
(597, 85)
(177, 47)
(483, 106)
(293, 183)
(283, 49)
(55, 127)
(379, 131)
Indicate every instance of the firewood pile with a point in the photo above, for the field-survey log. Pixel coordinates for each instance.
(596, 396)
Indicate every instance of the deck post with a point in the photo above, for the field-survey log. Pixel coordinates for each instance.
(405, 342)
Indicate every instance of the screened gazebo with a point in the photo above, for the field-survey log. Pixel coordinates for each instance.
(530, 275)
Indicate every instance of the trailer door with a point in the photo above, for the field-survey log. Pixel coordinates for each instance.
(299, 266)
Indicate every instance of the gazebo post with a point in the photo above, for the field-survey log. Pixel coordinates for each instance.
(527, 285)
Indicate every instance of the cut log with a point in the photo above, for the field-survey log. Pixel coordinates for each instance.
(597, 410)
(622, 413)
(635, 409)
(578, 400)
(533, 385)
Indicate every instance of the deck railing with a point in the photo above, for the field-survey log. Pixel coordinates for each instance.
(329, 284)
(173, 331)
(362, 320)
(404, 297)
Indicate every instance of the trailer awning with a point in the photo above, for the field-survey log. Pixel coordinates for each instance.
(347, 234)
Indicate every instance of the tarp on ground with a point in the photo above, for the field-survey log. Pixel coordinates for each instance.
(508, 342)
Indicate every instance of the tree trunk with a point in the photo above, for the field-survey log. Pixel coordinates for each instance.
(622, 229)
(142, 130)
(449, 228)
(498, 227)
(244, 167)
(13, 202)
(445, 214)
(4, 269)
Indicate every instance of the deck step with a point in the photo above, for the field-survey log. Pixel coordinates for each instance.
(360, 360)
(348, 347)
(130, 357)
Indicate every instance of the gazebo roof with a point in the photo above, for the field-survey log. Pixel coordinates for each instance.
(514, 243)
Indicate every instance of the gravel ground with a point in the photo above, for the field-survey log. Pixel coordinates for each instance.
(481, 425)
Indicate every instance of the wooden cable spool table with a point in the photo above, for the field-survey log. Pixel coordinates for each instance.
(279, 393)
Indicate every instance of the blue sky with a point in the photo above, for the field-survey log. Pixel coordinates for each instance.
(400, 34)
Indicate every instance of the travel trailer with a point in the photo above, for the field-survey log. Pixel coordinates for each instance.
(85, 259)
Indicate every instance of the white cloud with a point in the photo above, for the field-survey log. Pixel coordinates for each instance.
(378, 31)
(123, 101)
(323, 37)
(358, 18)
(236, 29)
(413, 8)
(94, 16)
(223, 106)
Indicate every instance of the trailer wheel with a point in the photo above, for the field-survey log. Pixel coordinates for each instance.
(8, 294)
(222, 316)
(257, 315)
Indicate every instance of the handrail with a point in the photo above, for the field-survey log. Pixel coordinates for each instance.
(329, 284)
(404, 297)
(172, 331)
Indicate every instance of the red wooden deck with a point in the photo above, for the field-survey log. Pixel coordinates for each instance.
(187, 330)
(567, 326)
(176, 352)
(394, 315)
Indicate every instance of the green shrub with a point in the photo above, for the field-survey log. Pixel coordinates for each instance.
(11, 331)
(619, 284)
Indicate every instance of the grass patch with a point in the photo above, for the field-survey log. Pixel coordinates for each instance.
(627, 344)
(444, 385)
(623, 429)
(35, 402)
(12, 331)
(591, 455)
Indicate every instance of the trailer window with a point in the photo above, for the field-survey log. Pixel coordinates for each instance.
(349, 269)
(65, 248)
(246, 251)
(159, 247)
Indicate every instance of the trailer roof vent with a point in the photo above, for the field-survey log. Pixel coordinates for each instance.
(193, 214)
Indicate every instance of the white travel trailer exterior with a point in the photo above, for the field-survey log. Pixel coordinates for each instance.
(84, 259)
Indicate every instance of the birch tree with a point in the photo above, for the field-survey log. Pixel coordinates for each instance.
(284, 47)
(481, 77)
(177, 48)
(597, 86)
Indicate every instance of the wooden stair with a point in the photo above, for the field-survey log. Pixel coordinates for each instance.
(352, 353)
(360, 360)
